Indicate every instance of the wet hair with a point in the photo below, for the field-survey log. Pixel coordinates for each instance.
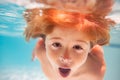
(41, 21)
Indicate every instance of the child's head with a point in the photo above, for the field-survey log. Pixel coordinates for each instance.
(68, 36)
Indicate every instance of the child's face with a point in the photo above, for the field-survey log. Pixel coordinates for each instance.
(66, 49)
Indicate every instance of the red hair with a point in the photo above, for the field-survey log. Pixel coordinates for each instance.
(41, 22)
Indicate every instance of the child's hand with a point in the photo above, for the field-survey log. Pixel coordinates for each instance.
(96, 59)
(40, 53)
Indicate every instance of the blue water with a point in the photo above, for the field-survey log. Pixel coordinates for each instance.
(15, 52)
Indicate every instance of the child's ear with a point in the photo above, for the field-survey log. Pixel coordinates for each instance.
(39, 49)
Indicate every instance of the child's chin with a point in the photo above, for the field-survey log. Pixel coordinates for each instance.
(64, 72)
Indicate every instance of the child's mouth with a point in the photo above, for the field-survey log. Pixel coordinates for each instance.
(64, 72)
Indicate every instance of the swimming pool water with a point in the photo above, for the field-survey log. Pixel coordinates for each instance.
(15, 52)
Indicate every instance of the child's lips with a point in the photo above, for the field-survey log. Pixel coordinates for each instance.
(64, 72)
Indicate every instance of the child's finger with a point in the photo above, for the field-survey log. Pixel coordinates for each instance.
(97, 52)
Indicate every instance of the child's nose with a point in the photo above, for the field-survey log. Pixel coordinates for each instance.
(66, 54)
(65, 58)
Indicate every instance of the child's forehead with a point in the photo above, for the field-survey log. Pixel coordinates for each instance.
(67, 32)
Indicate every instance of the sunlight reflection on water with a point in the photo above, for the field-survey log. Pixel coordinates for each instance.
(21, 74)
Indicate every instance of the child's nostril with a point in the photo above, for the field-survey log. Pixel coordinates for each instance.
(65, 60)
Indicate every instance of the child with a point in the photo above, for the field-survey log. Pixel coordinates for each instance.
(70, 43)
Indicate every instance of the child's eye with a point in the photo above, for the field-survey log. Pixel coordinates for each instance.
(77, 47)
(56, 45)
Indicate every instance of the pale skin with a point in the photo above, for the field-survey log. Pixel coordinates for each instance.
(70, 49)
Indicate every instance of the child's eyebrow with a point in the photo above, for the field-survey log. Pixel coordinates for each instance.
(82, 41)
(55, 38)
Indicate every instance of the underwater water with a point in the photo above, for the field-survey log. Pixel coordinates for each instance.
(15, 52)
